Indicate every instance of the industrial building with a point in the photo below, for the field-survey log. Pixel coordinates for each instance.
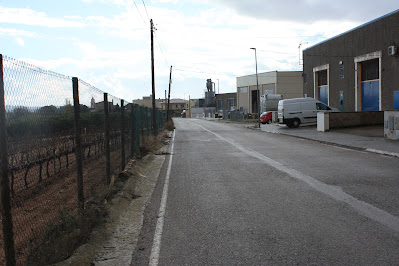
(357, 70)
(289, 84)
(226, 101)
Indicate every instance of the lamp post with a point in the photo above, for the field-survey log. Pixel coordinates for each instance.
(257, 87)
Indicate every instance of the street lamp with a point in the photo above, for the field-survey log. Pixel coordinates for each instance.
(257, 87)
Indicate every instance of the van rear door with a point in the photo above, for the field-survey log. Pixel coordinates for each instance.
(309, 112)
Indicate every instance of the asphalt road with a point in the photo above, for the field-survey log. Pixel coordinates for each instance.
(234, 196)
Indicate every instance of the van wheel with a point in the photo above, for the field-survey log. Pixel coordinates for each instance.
(296, 122)
(269, 121)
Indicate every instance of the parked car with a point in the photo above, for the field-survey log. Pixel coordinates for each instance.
(266, 117)
(294, 112)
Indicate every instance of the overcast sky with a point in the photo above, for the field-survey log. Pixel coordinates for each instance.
(107, 42)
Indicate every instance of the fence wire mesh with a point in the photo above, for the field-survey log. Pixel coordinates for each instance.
(41, 143)
(39, 124)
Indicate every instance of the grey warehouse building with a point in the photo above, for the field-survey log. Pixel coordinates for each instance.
(357, 70)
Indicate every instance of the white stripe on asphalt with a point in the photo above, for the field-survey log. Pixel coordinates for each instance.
(156, 243)
(335, 192)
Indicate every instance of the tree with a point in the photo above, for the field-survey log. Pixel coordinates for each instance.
(47, 110)
(19, 112)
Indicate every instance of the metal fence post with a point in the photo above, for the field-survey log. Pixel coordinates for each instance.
(8, 233)
(137, 130)
(132, 129)
(78, 143)
(107, 139)
(123, 154)
(142, 119)
(147, 124)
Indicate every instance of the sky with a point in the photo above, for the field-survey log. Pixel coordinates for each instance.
(107, 42)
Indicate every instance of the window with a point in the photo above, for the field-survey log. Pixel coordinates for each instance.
(268, 91)
(220, 107)
(177, 106)
(231, 104)
(243, 89)
(322, 78)
(182, 105)
(341, 72)
(321, 106)
(370, 70)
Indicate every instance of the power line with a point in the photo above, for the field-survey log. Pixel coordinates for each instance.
(145, 23)
(277, 52)
(201, 72)
(160, 48)
(145, 7)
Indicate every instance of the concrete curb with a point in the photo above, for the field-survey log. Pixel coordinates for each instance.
(380, 152)
(393, 154)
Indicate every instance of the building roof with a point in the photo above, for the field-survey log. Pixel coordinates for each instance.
(271, 73)
(358, 27)
(176, 101)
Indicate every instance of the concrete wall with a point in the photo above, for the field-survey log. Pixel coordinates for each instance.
(290, 84)
(391, 125)
(287, 83)
(263, 78)
(342, 50)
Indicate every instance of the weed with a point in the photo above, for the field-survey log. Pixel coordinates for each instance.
(170, 125)
(61, 238)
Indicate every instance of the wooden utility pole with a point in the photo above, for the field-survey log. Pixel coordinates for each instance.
(170, 83)
(154, 118)
(166, 115)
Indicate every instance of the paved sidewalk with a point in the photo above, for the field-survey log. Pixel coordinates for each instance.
(369, 139)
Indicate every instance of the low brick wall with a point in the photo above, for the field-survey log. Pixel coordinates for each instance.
(354, 119)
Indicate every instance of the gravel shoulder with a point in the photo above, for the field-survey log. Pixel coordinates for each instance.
(114, 242)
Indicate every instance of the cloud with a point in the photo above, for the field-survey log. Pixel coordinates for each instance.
(20, 41)
(31, 17)
(15, 32)
(310, 10)
(208, 41)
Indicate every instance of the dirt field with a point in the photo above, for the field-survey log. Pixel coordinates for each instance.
(35, 207)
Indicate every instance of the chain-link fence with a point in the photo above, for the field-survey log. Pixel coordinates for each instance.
(62, 141)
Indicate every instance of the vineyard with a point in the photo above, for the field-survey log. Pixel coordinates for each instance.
(59, 155)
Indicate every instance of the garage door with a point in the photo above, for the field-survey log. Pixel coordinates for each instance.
(371, 96)
(323, 94)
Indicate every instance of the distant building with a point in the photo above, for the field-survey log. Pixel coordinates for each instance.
(176, 106)
(100, 106)
(287, 83)
(226, 101)
(357, 70)
(147, 102)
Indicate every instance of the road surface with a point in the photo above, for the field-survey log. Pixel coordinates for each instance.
(233, 196)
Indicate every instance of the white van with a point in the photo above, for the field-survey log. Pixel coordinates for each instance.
(294, 112)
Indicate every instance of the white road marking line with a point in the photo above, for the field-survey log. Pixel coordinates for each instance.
(156, 243)
(334, 192)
